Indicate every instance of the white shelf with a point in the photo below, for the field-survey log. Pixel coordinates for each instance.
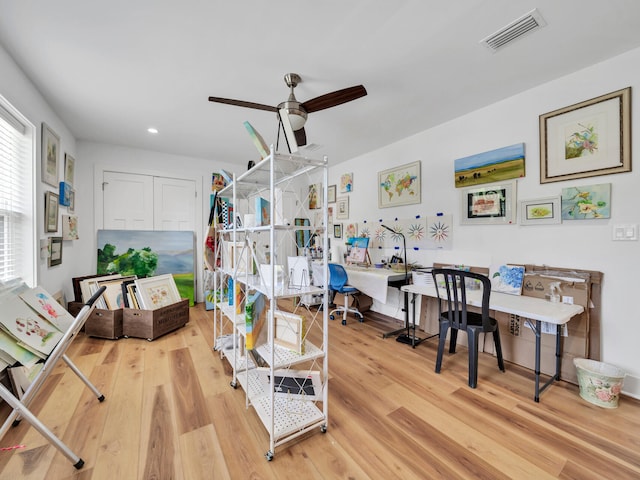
(284, 417)
(285, 358)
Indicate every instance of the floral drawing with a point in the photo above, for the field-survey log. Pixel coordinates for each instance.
(589, 202)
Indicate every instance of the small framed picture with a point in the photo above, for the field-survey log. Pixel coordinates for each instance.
(51, 204)
(337, 230)
(72, 201)
(346, 183)
(331, 194)
(50, 154)
(55, 251)
(488, 204)
(69, 169)
(157, 292)
(342, 212)
(541, 211)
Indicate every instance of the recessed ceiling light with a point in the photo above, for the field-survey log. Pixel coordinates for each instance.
(152, 130)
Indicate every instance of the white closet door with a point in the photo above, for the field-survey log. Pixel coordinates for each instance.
(174, 204)
(127, 201)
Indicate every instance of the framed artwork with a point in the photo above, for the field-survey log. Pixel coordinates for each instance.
(587, 139)
(72, 201)
(541, 211)
(289, 331)
(342, 210)
(315, 196)
(331, 194)
(337, 230)
(488, 167)
(51, 204)
(358, 253)
(157, 292)
(69, 169)
(588, 202)
(346, 183)
(65, 192)
(399, 185)
(55, 251)
(488, 204)
(50, 154)
(69, 227)
(507, 278)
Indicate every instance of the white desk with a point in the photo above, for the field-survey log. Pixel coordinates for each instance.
(373, 281)
(529, 308)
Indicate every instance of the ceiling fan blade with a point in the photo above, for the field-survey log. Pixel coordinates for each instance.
(242, 103)
(334, 98)
(301, 137)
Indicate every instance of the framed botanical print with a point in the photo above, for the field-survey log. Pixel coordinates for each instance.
(488, 204)
(541, 211)
(51, 204)
(587, 139)
(50, 154)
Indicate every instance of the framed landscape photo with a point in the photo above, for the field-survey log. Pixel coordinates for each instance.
(51, 205)
(488, 204)
(587, 139)
(50, 154)
(399, 185)
(541, 211)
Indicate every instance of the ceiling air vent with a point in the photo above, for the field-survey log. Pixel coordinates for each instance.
(516, 29)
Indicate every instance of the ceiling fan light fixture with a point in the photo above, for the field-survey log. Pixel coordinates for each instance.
(297, 116)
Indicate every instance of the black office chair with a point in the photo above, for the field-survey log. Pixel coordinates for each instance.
(338, 284)
(455, 316)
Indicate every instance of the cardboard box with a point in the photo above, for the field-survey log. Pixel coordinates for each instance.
(104, 324)
(151, 324)
(362, 302)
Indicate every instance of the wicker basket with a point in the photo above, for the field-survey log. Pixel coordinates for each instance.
(599, 382)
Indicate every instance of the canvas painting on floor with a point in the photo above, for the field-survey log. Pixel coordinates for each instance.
(146, 253)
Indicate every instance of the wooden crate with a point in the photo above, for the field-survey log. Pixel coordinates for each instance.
(151, 324)
(104, 324)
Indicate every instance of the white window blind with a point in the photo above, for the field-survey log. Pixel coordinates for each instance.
(17, 227)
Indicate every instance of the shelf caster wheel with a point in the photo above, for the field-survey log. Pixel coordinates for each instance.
(361, 319)
(234, 385)
(344, 322)
(332, 317)
(269, 456)
(323, 429)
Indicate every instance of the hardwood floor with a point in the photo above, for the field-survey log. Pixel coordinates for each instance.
(170, 413)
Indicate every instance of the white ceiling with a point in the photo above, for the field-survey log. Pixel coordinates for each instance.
(112, 69)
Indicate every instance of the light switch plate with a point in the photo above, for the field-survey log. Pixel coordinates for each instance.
(623, 232)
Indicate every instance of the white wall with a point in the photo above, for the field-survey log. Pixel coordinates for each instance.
(582, 244)
(21, 93)
(97, 157)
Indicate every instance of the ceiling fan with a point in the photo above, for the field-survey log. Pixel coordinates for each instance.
(296, 111)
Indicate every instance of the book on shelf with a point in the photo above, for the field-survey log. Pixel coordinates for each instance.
(263, 212)
(254, 318)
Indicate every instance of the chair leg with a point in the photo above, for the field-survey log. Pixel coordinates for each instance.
(496, 341)
(444, 327)
(346, 309)
(473, 357)
(453, 340)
